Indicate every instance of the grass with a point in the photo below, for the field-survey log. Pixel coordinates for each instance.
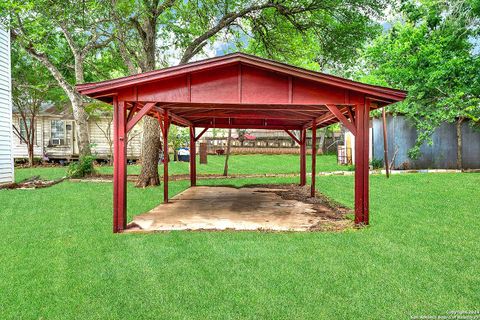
(419, 257)
(238, 164)
(245, 164)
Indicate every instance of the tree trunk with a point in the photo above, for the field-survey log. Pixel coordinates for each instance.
(31, 140)
(229, 144)
(151, 145)
(81, 121)
(150, 153)
(30, 154)
(459, 144)
(321, 145)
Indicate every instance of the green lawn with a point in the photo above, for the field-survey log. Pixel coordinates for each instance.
(238, 164)
(420, 256)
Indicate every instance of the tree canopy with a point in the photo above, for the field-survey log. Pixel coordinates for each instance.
(432, 50)
(430, 47)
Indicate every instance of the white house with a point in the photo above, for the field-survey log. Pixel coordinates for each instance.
(56, 132)
(6, 159)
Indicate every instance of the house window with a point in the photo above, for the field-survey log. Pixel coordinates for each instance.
(23, 129)
(57, 133)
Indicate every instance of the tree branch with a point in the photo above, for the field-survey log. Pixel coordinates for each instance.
(42, 58)
(69, 38)
(228, 18)
(18, 134)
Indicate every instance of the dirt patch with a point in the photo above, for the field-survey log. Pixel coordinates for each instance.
(334, 215)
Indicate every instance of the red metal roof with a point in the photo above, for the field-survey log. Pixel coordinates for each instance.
(93, 87)
(242, 91)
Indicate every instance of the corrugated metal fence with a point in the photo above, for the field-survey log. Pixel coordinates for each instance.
(442, 154)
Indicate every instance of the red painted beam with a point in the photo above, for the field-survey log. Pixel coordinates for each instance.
(120, 168)
(247, 126)
(271, 116)
(328, 118)
(160, 121)
(293, 137)
(351, 115)
(366, 166)
(115, 164)
(200, 134)
(132, 112)
(362, 164)
(244, 106)
(314, 157)
(339, 115)
(303, 157)
(193, 163)
(166, 127)
(139, 115)
(175, 117)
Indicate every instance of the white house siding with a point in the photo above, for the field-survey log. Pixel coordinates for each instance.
(100, 143)
(98, 140)
(65, 151)
(20, 148)
(6, 159)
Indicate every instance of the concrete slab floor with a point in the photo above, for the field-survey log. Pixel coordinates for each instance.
(227, 208)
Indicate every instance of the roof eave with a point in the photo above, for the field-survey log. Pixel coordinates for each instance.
(106, 87)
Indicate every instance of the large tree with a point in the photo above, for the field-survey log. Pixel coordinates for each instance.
(327, 39)
(29, 91)
(136, 34)
(150, 32)
(66, 37)
(431, 50)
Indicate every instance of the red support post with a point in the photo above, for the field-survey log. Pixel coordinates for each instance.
(120, 168)
(314, 156)
(193, 163)
(366, 161)
(362, 122)
(303, 157)
(166, 127)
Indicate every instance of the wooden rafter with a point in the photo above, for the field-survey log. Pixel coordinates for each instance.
(200, 134)
(340, 116)
(139, 115)
(293, 137)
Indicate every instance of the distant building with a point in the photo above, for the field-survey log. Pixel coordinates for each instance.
(6, 160)
(56, 136)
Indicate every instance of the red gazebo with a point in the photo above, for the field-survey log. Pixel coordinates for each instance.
(241, 91)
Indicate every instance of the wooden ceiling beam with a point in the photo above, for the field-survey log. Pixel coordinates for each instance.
(269, 107)
(248, 116)
(247, 126)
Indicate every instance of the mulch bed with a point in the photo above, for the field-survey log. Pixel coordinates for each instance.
(31, 183)
(179, 177)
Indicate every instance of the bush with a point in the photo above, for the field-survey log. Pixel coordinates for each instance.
(351, 167)
(376, 163)
(82, 168)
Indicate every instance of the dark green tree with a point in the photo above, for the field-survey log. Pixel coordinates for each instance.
(432, 51)
(70, 40)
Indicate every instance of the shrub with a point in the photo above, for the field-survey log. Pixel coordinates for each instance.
(376, 163)
(82, 168)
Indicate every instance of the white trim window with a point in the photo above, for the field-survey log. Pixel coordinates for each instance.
(23, 130)
(57, 133)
